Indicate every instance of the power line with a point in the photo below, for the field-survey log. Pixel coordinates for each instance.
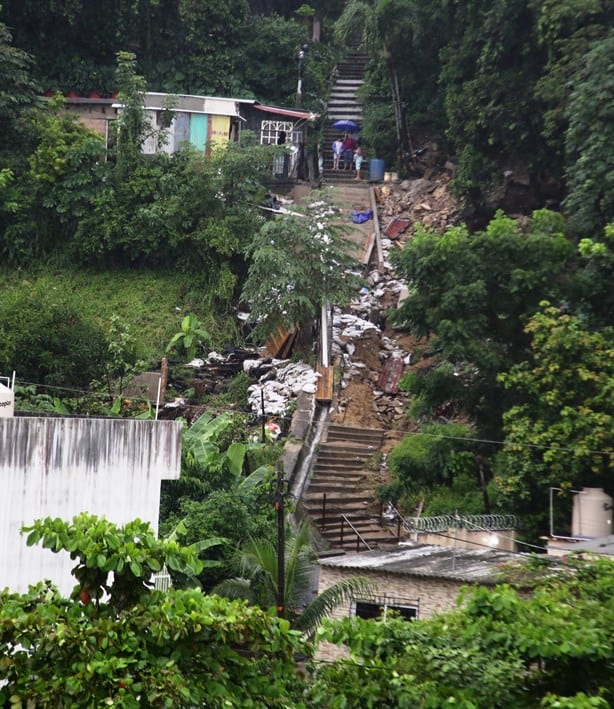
(504, 443)
(408, 433)
(446, 437)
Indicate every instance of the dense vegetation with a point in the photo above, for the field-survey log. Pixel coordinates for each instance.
(519, 94)
(111, 261)
(116, 641)
(499, 649)
(523, 342)
(211, 47)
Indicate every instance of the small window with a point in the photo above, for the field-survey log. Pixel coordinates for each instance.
(271, 132)
(378, 606)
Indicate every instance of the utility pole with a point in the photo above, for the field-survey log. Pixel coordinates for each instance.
(302, 54)
(281, 541)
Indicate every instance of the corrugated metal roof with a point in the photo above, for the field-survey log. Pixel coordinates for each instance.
(217, 105)
(598, 545)
(477, 565)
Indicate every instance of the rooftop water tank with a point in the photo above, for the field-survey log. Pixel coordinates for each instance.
(7, 402)
(592, 513)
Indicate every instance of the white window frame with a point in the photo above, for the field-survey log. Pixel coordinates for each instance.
(270, 130)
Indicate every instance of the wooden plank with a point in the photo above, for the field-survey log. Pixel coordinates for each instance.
(277, 341)
(369, 243)
(377, 234)
(324, 390)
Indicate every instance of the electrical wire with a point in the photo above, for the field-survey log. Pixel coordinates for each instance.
(505, 443)
(408, 433)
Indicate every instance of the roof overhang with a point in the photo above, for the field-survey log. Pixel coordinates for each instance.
(290, 112)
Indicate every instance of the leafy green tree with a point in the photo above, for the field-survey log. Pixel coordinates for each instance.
(489, 66)
(17, 91)
(498, 649)
(433, 456)
(470, 293)
(371, 20)
(117, 641)
(63, 173)
(560, 432)
(215, 32)
(190, 210)
(123, 359)
(440, 467)
(592, 284)
(133, 124)
(564, 30)
(219, 494)
(589, 161)
(297, 263)
(269, 59)
(257, 562)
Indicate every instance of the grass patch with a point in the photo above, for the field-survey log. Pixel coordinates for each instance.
(151, 303)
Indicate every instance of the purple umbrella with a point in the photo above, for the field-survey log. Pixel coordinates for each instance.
(348, 126)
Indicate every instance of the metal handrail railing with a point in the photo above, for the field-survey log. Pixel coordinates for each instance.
(359, 537)
(339, 514)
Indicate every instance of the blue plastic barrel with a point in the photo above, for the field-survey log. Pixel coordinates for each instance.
(376, 170)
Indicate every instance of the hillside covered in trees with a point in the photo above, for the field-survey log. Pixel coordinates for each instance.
(112, 260)
(519, 99)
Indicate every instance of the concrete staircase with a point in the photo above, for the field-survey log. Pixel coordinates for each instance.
(343, 104)
(340, 496)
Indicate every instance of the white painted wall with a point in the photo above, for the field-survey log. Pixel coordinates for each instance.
(60, 467)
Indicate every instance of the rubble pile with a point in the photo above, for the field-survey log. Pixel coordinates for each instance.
(368, 352)
(279, 382)
(426, 200)
(373, 359)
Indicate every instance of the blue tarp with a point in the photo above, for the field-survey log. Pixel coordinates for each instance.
(360, 217)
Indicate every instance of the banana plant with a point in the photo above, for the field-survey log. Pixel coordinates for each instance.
(189, 338)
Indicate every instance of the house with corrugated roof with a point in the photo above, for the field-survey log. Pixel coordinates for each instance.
(207, 121)
(413, 580)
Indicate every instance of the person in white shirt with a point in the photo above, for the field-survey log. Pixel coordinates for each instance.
(337, 152)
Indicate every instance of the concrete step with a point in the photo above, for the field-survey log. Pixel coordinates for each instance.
(354, 434)
(339, 499)
(333, 487)
(336, 476)
(345, 86)
(345, 114)
(344, 104)
(344, 537)
(348, 447)
(345, 72)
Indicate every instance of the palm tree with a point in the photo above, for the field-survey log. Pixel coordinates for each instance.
(257, 564)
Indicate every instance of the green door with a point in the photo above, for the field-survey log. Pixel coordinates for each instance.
(198, 131)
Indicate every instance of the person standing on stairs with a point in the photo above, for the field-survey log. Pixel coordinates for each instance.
(337, 152)
(349, 145)
(358, 158)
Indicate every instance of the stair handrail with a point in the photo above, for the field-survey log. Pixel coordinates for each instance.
(359, 536)
(337, 513)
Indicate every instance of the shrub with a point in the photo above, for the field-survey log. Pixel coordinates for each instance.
(47, 341)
